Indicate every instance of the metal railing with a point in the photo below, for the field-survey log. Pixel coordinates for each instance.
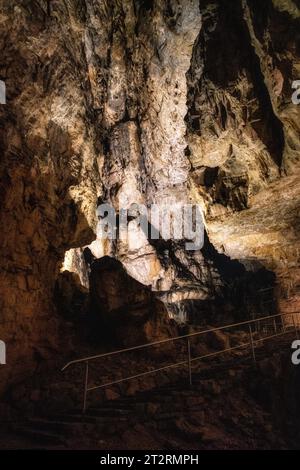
(279, 329)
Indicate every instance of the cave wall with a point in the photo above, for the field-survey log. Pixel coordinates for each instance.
(243, 128)
(49, 173)
(157, 101)
(244, 147)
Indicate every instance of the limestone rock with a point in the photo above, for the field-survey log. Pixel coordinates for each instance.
(125, 308)
(145, 102)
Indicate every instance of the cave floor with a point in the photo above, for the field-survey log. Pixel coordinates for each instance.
(231, 405)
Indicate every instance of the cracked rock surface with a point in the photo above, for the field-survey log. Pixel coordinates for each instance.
(135, 101)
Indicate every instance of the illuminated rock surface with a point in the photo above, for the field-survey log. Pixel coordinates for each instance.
(146, 102)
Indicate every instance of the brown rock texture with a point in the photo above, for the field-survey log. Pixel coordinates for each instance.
(141, 101)
(124, 308)
(49, 173)
(245, 147)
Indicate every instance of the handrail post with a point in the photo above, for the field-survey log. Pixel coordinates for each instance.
(278, 326)
(252, 344)
(189, 360)
(86, 378)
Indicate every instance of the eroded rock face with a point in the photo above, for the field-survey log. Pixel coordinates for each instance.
(144, 152)
(123, 309)
(243, 126)
(147, 102)
(49, 173)
(267, 232)
(241, 138)
(144, 145)
(244, 134)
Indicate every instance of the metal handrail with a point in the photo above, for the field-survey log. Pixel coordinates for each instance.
(175, 338)
(189, 360)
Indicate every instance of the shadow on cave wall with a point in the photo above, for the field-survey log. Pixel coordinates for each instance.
(246, 289)
(224, 52)
(119, 307)
(121, 311)
(246, 293)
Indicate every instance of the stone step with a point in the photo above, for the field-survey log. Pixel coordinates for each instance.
(57, 429)
(58, 426)
(40, 436)
(87, 418)
(110, 411)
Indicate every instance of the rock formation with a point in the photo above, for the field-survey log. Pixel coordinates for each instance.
(245, 146)
(145, 101)
(123, 310)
